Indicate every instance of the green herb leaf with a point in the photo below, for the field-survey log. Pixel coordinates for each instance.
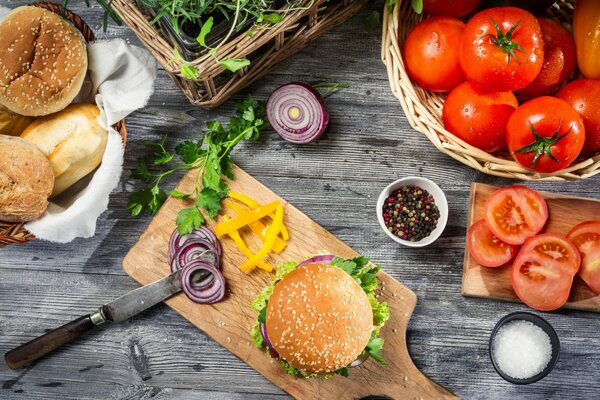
(189, 71)
(189, 151)
(141, 172)
(262, 315)
(417, 5)
(188, 219)
(234, 64)
(331, 88)
(209, 200)
(272, 18)
(178, 195)
(343, 372)
(205, 30)
(348, 266)
(372, 21)
(374, 348)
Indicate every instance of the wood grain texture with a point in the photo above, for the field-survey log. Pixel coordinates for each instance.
(229, 321)
(564, 213)
(335, 181)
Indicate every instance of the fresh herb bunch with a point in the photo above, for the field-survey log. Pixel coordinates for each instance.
(211, 156)
(106, 6)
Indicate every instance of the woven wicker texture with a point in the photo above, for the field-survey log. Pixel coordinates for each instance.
(268, 46)
(423, 109)
(15, 233)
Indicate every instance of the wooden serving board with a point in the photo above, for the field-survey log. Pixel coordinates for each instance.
(229, 321)
(564, 213)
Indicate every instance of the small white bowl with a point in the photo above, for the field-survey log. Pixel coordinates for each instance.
(438, 197)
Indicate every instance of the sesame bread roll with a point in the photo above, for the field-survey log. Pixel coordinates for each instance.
(43, 62)
(319, 319)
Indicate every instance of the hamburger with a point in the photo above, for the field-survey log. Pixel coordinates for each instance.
(320, 317)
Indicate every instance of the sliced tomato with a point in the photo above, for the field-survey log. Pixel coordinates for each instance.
(515, 213)
(586, 237)
(486, 249)
(543, 271)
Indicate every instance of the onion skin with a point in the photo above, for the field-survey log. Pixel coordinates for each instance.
(312, 117)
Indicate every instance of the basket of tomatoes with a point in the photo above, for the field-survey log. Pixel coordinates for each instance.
(498, 88)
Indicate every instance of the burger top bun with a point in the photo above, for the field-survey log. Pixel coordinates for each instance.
(319, 319)
(43, 62)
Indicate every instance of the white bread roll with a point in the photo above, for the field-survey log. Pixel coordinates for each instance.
(73, 141)
(43, 61)
(25, 180)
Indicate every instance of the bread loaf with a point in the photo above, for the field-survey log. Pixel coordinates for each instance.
(12, 124)
(73, 141)
(26, 180)
(43, 61)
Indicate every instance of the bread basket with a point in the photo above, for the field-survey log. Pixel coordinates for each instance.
(14, 232)
(423, 109)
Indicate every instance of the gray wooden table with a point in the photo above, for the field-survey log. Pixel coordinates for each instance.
(158, 354)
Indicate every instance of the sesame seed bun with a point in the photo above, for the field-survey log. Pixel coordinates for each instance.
(319, 319)
(43, 62)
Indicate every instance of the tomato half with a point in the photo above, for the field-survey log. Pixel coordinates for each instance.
(502, 49)
(545, 134)
(515, 213)
(479, 117)
(431, 53)
(457, 8)
(586, 237)
(542, 274)
(486, 249)
(584, 96)
(559, 60)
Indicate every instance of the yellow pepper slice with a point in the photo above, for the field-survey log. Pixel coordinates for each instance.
(253, 204)
(257, 227)
(235, 235)
(272, 233)
(245, 218)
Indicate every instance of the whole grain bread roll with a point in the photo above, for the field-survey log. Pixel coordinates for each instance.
(73, 141)
(26, 180)
(43, 62)
(12, 124)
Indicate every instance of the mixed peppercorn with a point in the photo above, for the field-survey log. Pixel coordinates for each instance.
(410, 213)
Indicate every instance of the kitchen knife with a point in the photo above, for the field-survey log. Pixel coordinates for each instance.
(119, 310)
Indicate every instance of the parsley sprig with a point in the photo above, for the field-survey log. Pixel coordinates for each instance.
(211, 156)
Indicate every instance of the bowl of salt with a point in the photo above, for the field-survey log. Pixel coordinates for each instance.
(524, 348)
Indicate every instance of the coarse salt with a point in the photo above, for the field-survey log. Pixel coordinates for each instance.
(521, 349)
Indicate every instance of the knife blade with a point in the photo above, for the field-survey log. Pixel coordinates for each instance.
(119, 310)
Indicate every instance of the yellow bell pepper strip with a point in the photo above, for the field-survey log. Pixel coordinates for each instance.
(586, 33)
(245, 218)
(235, 235)
(272, 233)
(253, 204)
(257, 227)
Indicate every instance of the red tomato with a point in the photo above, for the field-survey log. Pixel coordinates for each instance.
(545, 134)
(559, 60)
(486, 249)
(543, 271)
(479, 117)
(515, 213)
(586, 237)
(458, 8)
(502, 49)
(431, 53)
(584, 96)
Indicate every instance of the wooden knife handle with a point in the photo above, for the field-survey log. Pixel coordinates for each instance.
(40, 346)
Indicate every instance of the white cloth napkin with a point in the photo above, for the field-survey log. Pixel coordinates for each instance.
(122, 78)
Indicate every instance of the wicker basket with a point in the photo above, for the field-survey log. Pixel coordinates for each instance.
(267, 47)
(423, 109)
(14, 232)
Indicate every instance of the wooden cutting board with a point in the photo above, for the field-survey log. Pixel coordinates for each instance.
(229, 321)
(564, 213)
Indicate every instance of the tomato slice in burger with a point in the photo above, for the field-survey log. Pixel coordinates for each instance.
(486, 249)
(586, 237)
(515, 213)
(542, 273)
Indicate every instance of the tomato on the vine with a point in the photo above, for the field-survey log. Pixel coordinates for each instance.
(502, 49)
(559, 60)
(457, 8)
(586, 237)
(545, 134)
(542, 273)
(431, 53)
(479, 117)
(584, 96)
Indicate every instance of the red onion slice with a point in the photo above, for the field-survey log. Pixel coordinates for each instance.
(194, 250)
(297, 113)
(323, 259)
(263, 332)
(361, 359)
(199, 235)
(210, 290)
